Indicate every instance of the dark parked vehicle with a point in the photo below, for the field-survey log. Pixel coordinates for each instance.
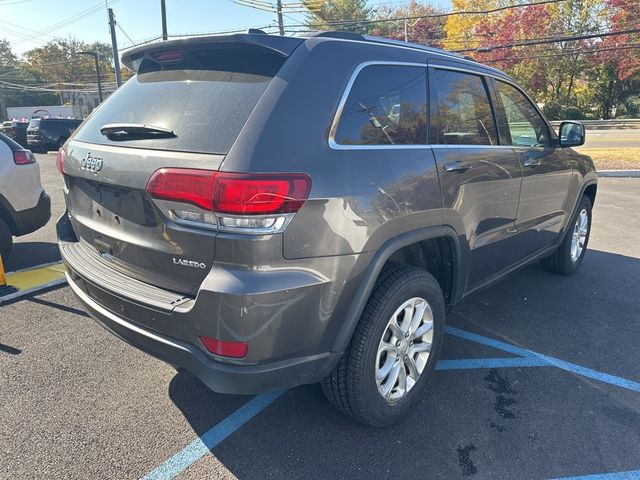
(16, 130)
(272, 211)
(44, 134)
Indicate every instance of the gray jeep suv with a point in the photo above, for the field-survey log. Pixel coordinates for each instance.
(272, 211)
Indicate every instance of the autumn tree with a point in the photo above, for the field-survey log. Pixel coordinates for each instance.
(420, 25)
(460, 29)
(339, 15)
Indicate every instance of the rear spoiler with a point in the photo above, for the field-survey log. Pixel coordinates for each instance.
(280, 45)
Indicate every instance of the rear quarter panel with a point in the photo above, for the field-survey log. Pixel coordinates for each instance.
(359, 198)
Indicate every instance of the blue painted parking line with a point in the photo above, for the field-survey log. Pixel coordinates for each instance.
(213, 437)
(550, 361)
(469, 363)
(630, 475)
(526, 358)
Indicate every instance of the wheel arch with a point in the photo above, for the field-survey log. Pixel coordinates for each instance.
(7, 214)
(385, 253)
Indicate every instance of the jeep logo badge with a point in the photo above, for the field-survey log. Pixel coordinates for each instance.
(91, 164)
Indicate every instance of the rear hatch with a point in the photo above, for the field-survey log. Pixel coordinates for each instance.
(203, 93)
(33, 129)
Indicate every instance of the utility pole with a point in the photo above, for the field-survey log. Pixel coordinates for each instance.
(163, 10)
(280, 20)
(114, 46)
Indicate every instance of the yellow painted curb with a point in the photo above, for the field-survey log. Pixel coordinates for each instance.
(32, 278)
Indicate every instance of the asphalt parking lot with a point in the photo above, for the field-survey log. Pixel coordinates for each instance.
(539, 379)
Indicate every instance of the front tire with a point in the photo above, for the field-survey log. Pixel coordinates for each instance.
(568, 257)
(394, 350)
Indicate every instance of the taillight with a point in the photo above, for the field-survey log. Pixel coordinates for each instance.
(226, 349)
(14, 132)
(23, 157)
(240, 202)
(183, 185)
(261, 194)
(60, 161)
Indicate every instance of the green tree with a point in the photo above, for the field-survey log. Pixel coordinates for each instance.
(339, 15)
(13, 73)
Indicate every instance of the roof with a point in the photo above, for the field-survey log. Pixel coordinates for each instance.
(284, 45)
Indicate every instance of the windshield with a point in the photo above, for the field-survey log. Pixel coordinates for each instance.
(205, 98)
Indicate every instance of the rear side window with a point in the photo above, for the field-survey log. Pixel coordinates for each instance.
(463, 114)
(204, 95)
(387, 105)
(525, 125)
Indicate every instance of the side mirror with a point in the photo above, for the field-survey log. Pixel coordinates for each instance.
(571, 134)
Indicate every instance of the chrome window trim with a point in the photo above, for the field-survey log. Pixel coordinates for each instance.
(466, 145)
(343, 100)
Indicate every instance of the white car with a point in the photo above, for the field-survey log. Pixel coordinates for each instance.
(24, 205)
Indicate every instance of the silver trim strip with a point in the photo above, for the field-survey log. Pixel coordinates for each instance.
(343, 100)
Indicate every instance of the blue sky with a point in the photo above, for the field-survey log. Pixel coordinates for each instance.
(22, 22)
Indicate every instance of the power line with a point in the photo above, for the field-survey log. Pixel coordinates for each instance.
(548, 40)
(432, 15)
(69, 20)
(562, 54)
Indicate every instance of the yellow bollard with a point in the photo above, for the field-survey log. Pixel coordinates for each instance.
(3, 277)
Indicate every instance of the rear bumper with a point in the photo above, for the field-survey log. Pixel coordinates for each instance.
(220, 377)
(30, 220)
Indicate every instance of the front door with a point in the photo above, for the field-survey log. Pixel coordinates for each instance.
(546, 170)
(480, 179)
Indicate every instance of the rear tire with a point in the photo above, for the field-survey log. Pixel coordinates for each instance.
(6, 240)
(568, 257)
(407, 301)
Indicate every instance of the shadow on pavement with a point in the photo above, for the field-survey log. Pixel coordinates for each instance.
(30, 254)
(553, 421)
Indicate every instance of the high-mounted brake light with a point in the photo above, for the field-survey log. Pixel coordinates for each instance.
(259, 203)
(23, 157)
(168, 56)
(60, 161)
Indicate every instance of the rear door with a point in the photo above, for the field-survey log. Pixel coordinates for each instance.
(546, 169)
(480, 178)
(204, 95)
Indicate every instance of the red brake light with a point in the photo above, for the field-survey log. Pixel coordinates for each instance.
(183, 185)
(23, 157)
(261, 194)
(60, 161)
(168, 56)
(232, 193)
(226, 349)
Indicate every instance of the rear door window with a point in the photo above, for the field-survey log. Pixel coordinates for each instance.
(387, 105)
(462, 113)
(204, 95)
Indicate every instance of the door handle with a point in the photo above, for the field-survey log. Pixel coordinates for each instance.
(531, 162)
(456, 167)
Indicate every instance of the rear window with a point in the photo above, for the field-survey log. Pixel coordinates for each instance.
(33, 124)
(204, 97)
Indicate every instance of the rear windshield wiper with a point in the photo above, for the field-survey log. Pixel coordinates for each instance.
(134, 131)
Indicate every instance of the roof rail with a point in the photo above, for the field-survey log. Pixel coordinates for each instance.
(334, 34)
